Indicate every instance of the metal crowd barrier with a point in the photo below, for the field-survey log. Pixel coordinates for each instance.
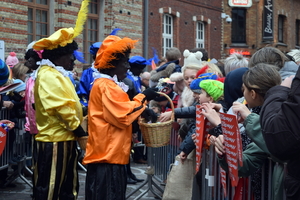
(159, 160)
(17, 151)
(214, 190)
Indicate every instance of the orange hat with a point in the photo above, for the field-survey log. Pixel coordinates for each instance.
(110, 47)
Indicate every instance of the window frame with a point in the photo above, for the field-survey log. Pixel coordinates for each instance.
(200, 28)
(238, 34)
(90, 28)
(297, 32)
(281, 19)
(41, 8)
(167, 33)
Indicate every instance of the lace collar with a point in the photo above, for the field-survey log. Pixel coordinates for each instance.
(97, 75)
(50, 64)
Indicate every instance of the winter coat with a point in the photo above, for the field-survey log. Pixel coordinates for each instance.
(280, 124)
(164, 71)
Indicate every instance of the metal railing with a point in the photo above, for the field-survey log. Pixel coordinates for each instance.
(17, 151)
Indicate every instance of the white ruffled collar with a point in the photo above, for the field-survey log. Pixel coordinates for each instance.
(97, 75)
(50, 64)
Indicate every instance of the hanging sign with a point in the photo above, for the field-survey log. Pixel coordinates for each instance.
(268, 20)
(240, 3)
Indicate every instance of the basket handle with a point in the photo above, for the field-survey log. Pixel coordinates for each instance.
(172, 107)
(171, 103)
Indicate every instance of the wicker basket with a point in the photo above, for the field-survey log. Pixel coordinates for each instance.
(157, 134)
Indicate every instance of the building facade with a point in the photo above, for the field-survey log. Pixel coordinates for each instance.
(156, 23)
(265, 23)
(185, 25)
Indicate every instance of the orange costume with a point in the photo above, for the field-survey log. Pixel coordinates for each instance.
(111, 114)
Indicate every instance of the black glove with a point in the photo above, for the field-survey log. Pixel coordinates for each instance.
(79, 132)
(151, 93)
(149, 115)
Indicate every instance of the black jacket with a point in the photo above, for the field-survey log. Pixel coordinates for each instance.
(280, 123)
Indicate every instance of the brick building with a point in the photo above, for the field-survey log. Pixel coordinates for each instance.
(185, 25)
(193, 23)
(266, 22)
(23, 21)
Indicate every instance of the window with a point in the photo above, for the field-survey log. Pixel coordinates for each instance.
(200, 35)
(238, 26)
(167, 36)
(90, 33)
(37, 26)
(297, 32)
(280, 28)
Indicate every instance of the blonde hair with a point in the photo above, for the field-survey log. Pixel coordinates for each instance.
(212, 68)
(19, 70)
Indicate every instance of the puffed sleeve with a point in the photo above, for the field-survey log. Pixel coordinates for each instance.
(117, 107)
(59, 98)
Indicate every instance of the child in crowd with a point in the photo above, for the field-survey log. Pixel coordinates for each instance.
(173, 56)
(206, 91)
(256, 82)
(20, 71)
(12, 59)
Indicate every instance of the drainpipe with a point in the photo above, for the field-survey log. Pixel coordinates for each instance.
(145, 33)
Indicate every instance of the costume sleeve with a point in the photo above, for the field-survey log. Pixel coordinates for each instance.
(57, 97)
(118, 110)
(280, 120)
(84, 88)
(253, 159)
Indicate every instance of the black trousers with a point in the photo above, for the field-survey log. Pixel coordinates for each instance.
(105, 182)
(55, 173)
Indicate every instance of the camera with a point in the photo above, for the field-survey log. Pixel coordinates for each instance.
(228, 20)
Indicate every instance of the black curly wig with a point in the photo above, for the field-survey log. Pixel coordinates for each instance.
(60, 51)
(32, 54)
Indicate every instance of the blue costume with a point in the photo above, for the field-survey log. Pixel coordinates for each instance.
(137, 63)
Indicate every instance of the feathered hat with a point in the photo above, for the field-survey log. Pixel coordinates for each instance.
(64, 36)
(95, 47)
(111, 46)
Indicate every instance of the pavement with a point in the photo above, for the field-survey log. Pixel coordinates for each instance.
(22, 190)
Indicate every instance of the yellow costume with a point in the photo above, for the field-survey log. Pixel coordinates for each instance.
(60, 116)
(111, 114)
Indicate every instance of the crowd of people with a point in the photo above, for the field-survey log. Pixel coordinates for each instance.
(117, 88)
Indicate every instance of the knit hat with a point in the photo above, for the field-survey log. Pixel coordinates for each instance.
(64, 36)
(4, 72)
(112, 45)
(195, 84)
(192, 60)
(21, 87)
(12, 59)
(214, 88)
